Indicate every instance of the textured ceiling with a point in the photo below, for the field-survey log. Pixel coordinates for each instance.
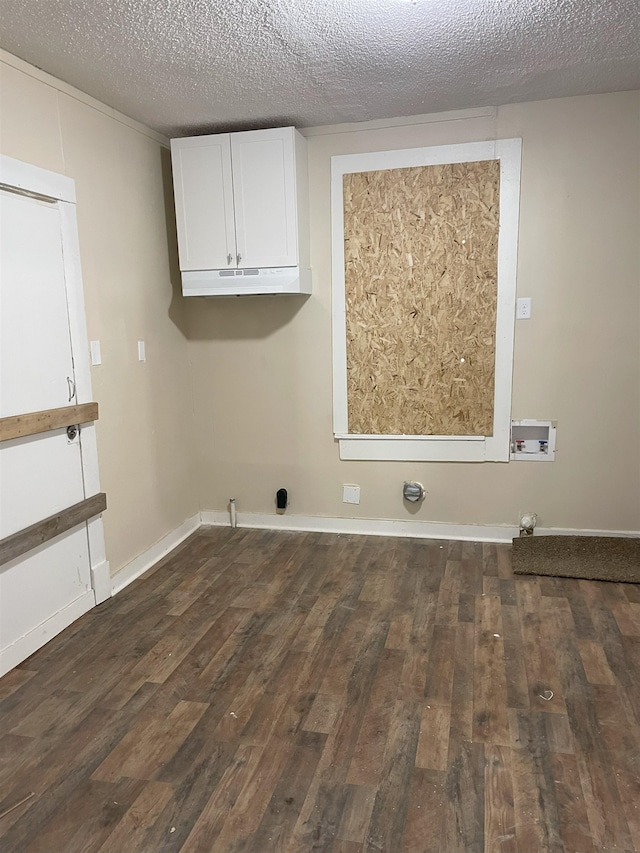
(183, 66)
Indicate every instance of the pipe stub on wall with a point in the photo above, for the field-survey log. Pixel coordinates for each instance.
(413, 491)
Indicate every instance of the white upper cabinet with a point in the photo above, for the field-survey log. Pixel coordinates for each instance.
(204, 202)
(241, 200)
(264, 191)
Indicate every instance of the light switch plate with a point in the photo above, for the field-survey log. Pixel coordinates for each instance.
(142, 355)
(96, 356)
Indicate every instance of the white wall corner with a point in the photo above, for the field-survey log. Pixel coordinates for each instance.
(138, 566)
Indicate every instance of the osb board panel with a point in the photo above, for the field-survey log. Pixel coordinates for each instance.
(421, 249)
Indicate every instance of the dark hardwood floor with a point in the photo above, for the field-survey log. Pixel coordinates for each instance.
(290, 692)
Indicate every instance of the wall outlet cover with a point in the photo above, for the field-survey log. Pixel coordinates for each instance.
(351, 494)
(523, 310)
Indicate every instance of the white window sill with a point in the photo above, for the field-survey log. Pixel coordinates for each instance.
(423, 448)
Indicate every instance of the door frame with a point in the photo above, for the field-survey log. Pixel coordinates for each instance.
(26, 179)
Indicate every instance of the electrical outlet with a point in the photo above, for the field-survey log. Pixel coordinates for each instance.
(523, 310)
(351, 494)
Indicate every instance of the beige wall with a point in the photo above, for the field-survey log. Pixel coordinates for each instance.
(262, 365)
(146, 412)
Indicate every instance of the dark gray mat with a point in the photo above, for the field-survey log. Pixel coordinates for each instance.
(605, 558)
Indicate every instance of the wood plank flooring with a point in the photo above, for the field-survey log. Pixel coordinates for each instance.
(272, 692)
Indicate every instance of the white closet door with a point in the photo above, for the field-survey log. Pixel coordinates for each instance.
(39, 475)
(264, 191)
(204, 202)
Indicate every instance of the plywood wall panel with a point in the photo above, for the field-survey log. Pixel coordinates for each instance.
(421, 290)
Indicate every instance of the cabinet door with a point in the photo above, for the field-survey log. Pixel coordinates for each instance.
(204, 202)
(264, 188)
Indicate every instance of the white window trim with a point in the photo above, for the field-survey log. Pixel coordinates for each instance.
(427, 448)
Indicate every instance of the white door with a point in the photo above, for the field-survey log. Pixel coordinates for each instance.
(204, 202)
(264, 190)
(45, 589)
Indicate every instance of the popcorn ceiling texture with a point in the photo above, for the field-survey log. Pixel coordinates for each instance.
(184, 66)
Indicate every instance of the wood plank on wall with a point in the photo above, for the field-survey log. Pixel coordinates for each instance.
(42, 531)
(32, 423)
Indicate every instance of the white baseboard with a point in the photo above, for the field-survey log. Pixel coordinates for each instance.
(565, 531)
(101, 581)
(150, 557)
(366, 526)
(37, 637)
(387, 527)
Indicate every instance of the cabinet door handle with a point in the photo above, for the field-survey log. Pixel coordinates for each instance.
(229, 259)
(238, 258)
(72, 388)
